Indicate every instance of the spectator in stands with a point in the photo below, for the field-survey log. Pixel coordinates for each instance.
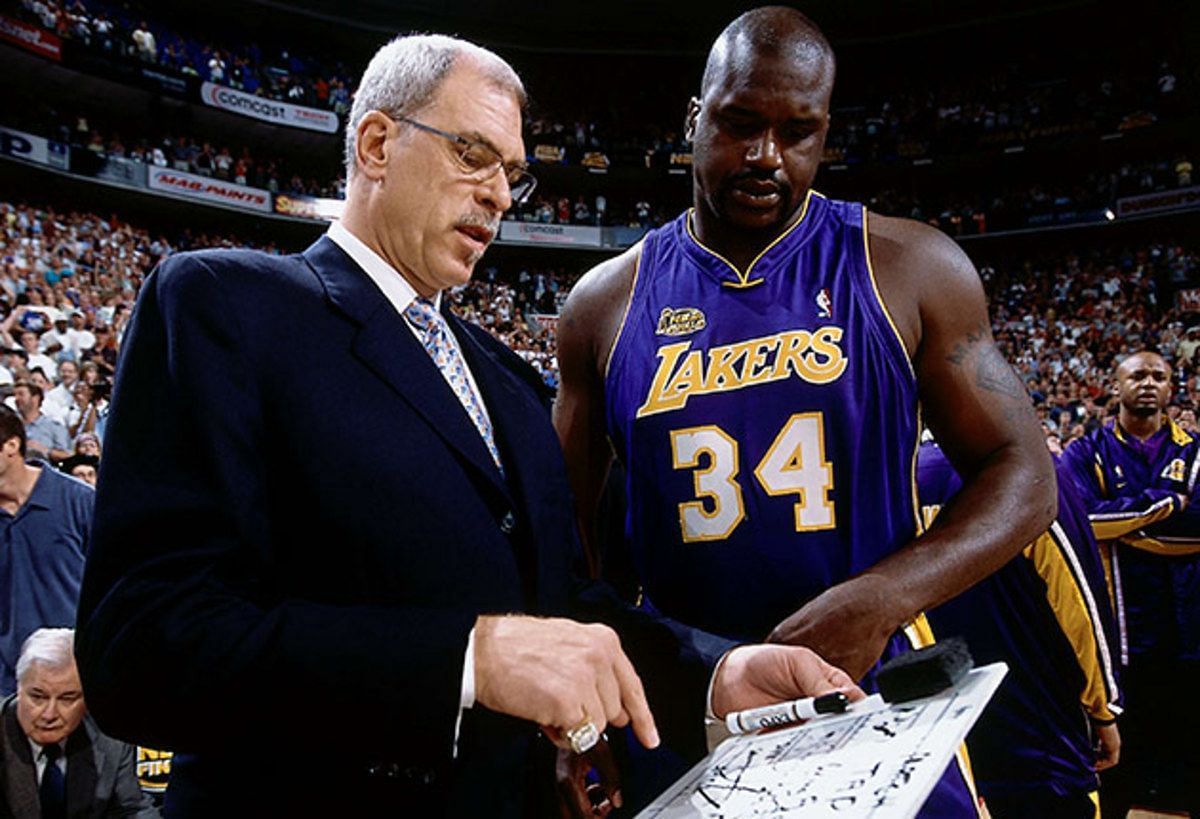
(1186, 349)
(31, 342)
(44, 437)
(84, 467)
(144, 43)
(56, 341)
(84, 415)
(53, 758)
(87, 443)
(216, 68)
(60, 398)
(47, 518)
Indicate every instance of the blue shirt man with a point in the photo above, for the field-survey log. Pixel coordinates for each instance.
(45, 524)
(46, 437)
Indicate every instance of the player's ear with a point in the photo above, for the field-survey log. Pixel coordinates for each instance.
(689, 122)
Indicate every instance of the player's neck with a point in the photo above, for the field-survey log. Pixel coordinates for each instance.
(16, 485)
(1141, 426)
(739, 246)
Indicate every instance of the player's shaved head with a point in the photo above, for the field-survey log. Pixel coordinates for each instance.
(1142, 358)
(772, 32)
(1142, 385)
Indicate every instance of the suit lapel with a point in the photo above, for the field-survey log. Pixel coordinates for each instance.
(85, 760)
(20, 775)
(389, 349)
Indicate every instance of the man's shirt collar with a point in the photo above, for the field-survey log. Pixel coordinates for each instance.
(388, 279)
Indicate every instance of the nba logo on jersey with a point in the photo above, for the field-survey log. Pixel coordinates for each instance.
(824, 303)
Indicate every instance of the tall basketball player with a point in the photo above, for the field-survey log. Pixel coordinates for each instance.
(760, 365)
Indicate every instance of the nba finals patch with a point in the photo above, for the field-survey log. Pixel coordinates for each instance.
(680, 322)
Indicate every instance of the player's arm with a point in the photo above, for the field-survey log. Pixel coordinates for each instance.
(587, 328)
(982, 417)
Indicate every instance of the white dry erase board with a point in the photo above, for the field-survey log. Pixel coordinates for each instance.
(876, 760)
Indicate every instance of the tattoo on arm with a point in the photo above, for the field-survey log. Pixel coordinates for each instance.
(992, 372)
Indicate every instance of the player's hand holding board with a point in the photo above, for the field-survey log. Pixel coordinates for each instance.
(879, 758)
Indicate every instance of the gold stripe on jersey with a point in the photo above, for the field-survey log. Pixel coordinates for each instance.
(919, 632)
(887, 314)
(1112, 525)
(912, 475)
(612, 348)
(1162, 545)
(744, 278)
(1074, 607)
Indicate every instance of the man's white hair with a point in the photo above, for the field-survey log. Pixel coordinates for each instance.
(404, 75)
(52, 647)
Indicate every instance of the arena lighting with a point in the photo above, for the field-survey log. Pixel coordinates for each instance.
(1109, 215)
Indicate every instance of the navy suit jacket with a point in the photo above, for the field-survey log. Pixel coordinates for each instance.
(294, 511)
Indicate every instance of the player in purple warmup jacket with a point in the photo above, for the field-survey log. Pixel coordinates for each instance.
(1137, 475)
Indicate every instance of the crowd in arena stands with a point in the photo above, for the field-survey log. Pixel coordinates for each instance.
(1006, 207)
(900, 116)
(67, 285)
(1015, 206)
(581, 209)
(187, 153)
(1063, 321)
(68, 282)
(271, 71)
(975, 110)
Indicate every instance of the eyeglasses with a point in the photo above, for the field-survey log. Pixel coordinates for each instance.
(481, 161)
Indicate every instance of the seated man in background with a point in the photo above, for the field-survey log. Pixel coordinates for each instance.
(54, 762)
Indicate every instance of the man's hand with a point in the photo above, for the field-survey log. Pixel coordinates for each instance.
(558, 673)
(756, 675)
(849, 624)
(1107, 745)
(579, 798)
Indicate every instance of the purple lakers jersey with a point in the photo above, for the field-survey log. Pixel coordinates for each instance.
(767, 420)
(768, 424)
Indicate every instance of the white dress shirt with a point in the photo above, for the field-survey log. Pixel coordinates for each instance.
(39, 760)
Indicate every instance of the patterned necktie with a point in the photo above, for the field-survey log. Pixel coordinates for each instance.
(52, 793)
(435, 335)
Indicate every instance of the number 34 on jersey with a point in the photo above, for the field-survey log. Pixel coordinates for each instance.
(794, 464)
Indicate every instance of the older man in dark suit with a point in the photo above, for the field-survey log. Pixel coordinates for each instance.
(334, 518)
(54, 762)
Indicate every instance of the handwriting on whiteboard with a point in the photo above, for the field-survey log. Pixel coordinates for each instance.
(874, 761)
